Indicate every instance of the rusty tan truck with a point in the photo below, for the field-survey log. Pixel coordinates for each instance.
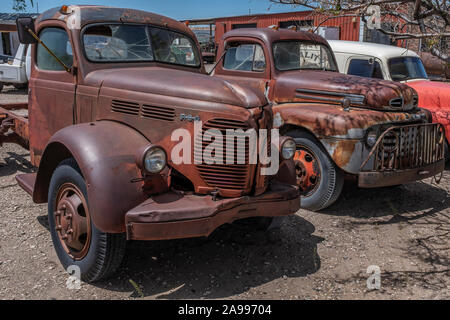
(369, 129)
(107, 90)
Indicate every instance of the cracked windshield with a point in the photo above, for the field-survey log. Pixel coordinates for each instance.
(138, 43)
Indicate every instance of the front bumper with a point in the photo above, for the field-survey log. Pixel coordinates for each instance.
(177, 216)
(392, 178)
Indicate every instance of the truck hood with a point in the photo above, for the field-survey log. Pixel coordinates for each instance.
(176, 83)
(335, 88)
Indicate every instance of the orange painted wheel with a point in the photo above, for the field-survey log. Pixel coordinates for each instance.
(307, 169)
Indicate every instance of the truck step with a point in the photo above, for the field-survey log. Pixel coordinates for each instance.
(26, 182)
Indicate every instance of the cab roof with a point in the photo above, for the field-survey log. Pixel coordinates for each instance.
(272, 35)
(77, 16)
(380, 51)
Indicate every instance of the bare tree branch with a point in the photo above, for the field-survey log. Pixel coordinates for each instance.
(408, 19)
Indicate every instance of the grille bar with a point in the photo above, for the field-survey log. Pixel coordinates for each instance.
(408, 147)
(225, 176)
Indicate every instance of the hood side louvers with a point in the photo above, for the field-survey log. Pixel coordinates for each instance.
(145, 111)
(158, 113)
(125, 107)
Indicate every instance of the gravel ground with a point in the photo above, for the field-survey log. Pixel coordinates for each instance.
(403, 230)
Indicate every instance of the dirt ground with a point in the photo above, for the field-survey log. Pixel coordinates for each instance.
(403, 230)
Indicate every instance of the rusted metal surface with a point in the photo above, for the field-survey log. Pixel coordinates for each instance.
(13, 126)
(349, 27)
(374, 179)
(339, 110)
(176, 215)
(72, 221)
(103, 114)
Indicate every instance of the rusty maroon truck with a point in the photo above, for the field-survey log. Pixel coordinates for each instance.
(367, 128)
(109, 88)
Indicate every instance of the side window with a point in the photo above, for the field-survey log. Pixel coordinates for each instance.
(56, 40)
(245, 57)
(365, 68)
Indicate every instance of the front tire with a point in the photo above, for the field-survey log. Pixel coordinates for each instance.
(320, 180)
(76, 240)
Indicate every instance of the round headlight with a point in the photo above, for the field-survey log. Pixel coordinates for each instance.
(288, 149)
(372, 138)
(155, 160)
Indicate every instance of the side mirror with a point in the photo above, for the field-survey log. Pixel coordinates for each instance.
(24, 25)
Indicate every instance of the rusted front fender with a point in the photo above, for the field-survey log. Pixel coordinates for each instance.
(105, 152)
(341, 132)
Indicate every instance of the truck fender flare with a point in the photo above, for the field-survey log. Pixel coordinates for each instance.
(105, 153)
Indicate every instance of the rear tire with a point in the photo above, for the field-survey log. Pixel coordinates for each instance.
(1, 87)
(317, 175)
(76, 240)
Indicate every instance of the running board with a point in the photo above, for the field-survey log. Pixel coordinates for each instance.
(26, 182)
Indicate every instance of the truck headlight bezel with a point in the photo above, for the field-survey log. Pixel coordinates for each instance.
(288, 149)
(152, 159)
(372, 138)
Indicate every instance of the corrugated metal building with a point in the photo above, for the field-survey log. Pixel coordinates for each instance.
(348, 28)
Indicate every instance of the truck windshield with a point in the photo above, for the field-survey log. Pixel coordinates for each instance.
(407, 68)
(139, 43)
(296, 55)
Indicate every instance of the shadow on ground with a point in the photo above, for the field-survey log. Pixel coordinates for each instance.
(15, 163)
(390, 201)
(232, 260)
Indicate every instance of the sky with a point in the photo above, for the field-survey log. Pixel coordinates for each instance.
(177, 9)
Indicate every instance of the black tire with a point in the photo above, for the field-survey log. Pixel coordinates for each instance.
(331, 179)
(446, 151)
(105, 252)
(1, 87)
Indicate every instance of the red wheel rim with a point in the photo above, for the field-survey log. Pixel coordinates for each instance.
(72, 221)
(307, 170)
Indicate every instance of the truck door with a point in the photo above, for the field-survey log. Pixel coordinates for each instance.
(52, 90)
(246, 63)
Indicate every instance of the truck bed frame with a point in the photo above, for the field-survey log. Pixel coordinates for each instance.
(14, 124)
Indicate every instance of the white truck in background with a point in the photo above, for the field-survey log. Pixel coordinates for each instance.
(17, 71)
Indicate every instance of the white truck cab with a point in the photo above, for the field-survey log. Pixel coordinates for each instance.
(378, 61)
(17, 71)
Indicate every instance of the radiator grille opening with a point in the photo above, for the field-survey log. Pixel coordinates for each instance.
(409, 147)
(224, 176)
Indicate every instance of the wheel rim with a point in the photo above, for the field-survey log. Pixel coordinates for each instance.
(308, 170)
(72, 221)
